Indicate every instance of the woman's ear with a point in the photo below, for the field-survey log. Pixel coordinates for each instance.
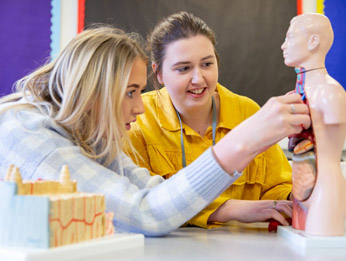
(314, 41)
(158, 74)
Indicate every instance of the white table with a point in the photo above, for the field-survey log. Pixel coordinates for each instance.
(236, 241)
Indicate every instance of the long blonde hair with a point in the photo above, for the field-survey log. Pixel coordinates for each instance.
(83, 89)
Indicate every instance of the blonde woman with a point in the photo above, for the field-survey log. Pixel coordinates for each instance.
(75, 111)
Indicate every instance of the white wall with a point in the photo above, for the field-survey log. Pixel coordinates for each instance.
(64, 24)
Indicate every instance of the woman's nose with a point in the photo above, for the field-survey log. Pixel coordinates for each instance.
(139, 107)
(197, 76)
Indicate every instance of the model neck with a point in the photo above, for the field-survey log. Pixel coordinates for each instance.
(302, 70)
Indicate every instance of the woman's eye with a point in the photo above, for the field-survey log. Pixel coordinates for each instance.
(183, 69)
(130, 94)
(207, 64)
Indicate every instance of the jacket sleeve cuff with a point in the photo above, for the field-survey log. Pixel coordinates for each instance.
(201, 219)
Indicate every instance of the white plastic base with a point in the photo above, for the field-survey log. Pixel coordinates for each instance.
(301, 239)
(99, 246)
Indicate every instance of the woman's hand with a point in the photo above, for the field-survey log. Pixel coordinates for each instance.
(248, 211)
(280, 117)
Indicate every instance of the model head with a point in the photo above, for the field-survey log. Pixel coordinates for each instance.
(308, 40)
(84, 88)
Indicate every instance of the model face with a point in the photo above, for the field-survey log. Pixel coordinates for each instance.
(132, 103)
(295, 47)
(190, 73)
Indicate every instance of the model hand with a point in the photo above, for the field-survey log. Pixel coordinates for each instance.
(248, 211)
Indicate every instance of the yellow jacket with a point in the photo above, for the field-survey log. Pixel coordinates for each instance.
(156, 137)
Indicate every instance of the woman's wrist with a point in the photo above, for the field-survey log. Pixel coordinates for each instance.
(229, 169)
(232, 155)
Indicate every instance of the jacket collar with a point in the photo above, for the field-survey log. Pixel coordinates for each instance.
(229, 110)
(167, 115)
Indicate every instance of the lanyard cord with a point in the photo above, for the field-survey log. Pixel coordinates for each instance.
(183, 158)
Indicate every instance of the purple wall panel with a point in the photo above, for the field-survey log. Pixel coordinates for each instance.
(24, 39)
(336, 58)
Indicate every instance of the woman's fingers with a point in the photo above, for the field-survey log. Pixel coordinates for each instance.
(297, 108)
(302, 121)
(281, 117)
(298, 113)
(291, 98)
(284, 206)
(279, 209)
(278, 217)
(287, 99)
(290, 92)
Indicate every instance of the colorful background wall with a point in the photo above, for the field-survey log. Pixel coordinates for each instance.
(249, 34)
(33, 31)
